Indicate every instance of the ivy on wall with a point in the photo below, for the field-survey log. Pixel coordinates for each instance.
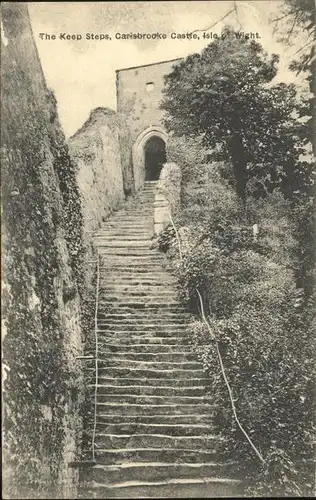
(43, 256)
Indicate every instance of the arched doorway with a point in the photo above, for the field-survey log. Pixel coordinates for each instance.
(155, 157)
(139, 153)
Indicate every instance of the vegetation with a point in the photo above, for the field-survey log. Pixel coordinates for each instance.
(297, 19)
(246, 201)
(41, 215)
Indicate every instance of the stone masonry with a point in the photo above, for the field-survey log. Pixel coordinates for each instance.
(139, 92)
(154, 434)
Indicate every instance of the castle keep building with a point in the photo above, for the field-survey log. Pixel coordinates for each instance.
(139, 92)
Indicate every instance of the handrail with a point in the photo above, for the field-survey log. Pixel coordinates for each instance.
(96, 357)
(230, 394)
(219, 356)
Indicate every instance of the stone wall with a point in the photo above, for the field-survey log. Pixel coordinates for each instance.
(139, 92)
(42, 278)
(167, 197)
(95, 150)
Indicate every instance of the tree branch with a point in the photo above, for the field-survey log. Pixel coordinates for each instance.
(236, 14)
(292, 28)
(212, 26)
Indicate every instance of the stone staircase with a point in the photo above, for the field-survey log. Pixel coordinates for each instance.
(154, 433)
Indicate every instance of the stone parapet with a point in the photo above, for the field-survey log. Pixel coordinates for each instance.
(167, 197)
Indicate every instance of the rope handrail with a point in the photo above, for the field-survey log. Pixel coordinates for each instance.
(257, 452)
(96, 356)
(226, 380)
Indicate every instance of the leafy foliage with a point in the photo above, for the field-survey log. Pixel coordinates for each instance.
(297, 21)
(225, 94)
(261, 321)
(41, 215)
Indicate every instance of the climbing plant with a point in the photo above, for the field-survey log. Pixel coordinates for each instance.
(40, 210)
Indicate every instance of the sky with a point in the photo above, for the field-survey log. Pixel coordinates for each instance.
(82, 72)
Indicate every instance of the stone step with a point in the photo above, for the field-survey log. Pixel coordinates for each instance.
(143, 329)
(145, 390)
(157, 471)
(127, 255)
(171, 310)
(137, 242)
(138, 314)
(150, 287)
(150, 302)
(144, 207)
(136, 219)
(151, 382)
(130, 249)
(121, 222)
(163, 320)
(139, 247)
(129, 269)
(141, 273)
(139, 440)
(149, 357)
(135, 302)
(111, 297)
(121, 227)
(117, 292)
(152, 400)
(175, 424)
(146, 365)
(178, 357)
(185, 455)
(144, 203)
(200, 427)
(122, 332)
(152, 349)
(125, 409)
(134, 241)
(153, 407)
(113, 227)
(114, 246)
(147, 264)
(145, 215)
(137, 372)
(128, 234)
(140, 307)
(129, 291)
(141, 323)
(138, 280)
(141, 310)
(140, 337)
(170, 488)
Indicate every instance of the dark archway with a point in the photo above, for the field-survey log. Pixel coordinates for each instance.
(155, 157)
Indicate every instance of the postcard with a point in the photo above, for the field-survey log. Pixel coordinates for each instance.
(158, 249)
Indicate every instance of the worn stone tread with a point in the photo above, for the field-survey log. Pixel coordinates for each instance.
(154, 431)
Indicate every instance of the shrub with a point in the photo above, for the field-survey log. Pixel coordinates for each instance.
(264, 330)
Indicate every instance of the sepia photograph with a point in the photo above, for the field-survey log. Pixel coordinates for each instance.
(158, 238)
